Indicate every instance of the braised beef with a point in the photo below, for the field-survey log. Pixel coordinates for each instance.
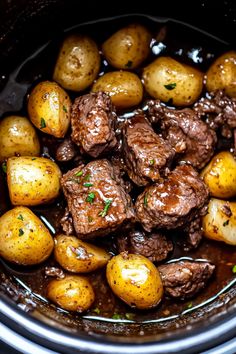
(66, 151)
(147, 155)
(154, 246)
(173, 203)
(96, 200)
(92, 121)
(184, 279)
(190, 137)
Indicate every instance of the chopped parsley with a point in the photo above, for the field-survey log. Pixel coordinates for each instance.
(190, 305)
(34, 158)
(20, 217)
(145, 200)
(103, 213)
(226, 223)
(170, 86)
(87, 177)
(234, 269)
(4, 167)
(129, 64)
(151, 162)
(90, 219)
(129, 316)
(42, 123)
(21, 232)
(116, 316)
(96, 310)
(88, 184)
(65, 109)
(78, 174)
(90, 198)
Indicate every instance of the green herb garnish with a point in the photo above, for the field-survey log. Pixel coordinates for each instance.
(21, 232)
(64, 109)
(226, 223)
(145, 200)
(151, 162)
(129, 316)
(103, 213)
(170, 86)
(34, 158)
(88, 184)
(42, 123)
(90, 198)
(20, 217)
(190, 305)
(234, 269)
(4, 167)
(87, 177)
(116, 316)
(129, 64)
(78, 174)
(90, 219)
(96, 310)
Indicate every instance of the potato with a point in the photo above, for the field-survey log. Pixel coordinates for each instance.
(220, 222)
(222, 74)
(23, 237)
(78, 63)
(73, 293)
(124, 88)
(17, 137)
(135, 280)
(49, 108)
(77, 256)
(128, 47)
(220, 175)
(168, 80)
(32, 180)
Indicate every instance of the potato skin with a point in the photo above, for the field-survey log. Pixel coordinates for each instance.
(221, 75)
(78, 63)
(124, 88)
(184, 83)
(32, 180)
(49, 108)
(72, 293)
(77, 256)
(135, 280)
(18, 136)
(128, 47)
(23, 237)
(219, 223)
(220, 175)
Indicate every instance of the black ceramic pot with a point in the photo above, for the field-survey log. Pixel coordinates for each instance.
(24, 26)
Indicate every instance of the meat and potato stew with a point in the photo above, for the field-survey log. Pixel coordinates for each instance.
(121, 176)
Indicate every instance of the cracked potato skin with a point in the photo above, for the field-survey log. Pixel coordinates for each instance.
(135, 280)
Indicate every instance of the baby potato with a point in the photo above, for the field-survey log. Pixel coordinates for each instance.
(23, 237)
(72, 293)
(168, 80)
(17, 136)
(77, 256)
(124, 88)
(220, 175)
(78, 63)
(221, 75)
(135, 280)
(49, 108)
(32, 180)
(128, 47)
(220, 222)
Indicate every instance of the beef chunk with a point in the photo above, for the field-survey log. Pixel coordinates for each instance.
(173, 203)
(192, 138)
(147, 155)
(92, 121)
(184, 279)
(66, 151)
(96, 199)
(220, 112)
(155, 246)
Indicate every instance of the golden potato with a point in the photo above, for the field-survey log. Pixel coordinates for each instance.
(220, 222)
(17, 136)
(124, 88)
(49, 108)
(78, 63)
(72, 293)
(168, 80)
(220, 175)
(128, 47)
(222, 74)
(23, 237)
(77, 256)
(32, 180)
(135, 280)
